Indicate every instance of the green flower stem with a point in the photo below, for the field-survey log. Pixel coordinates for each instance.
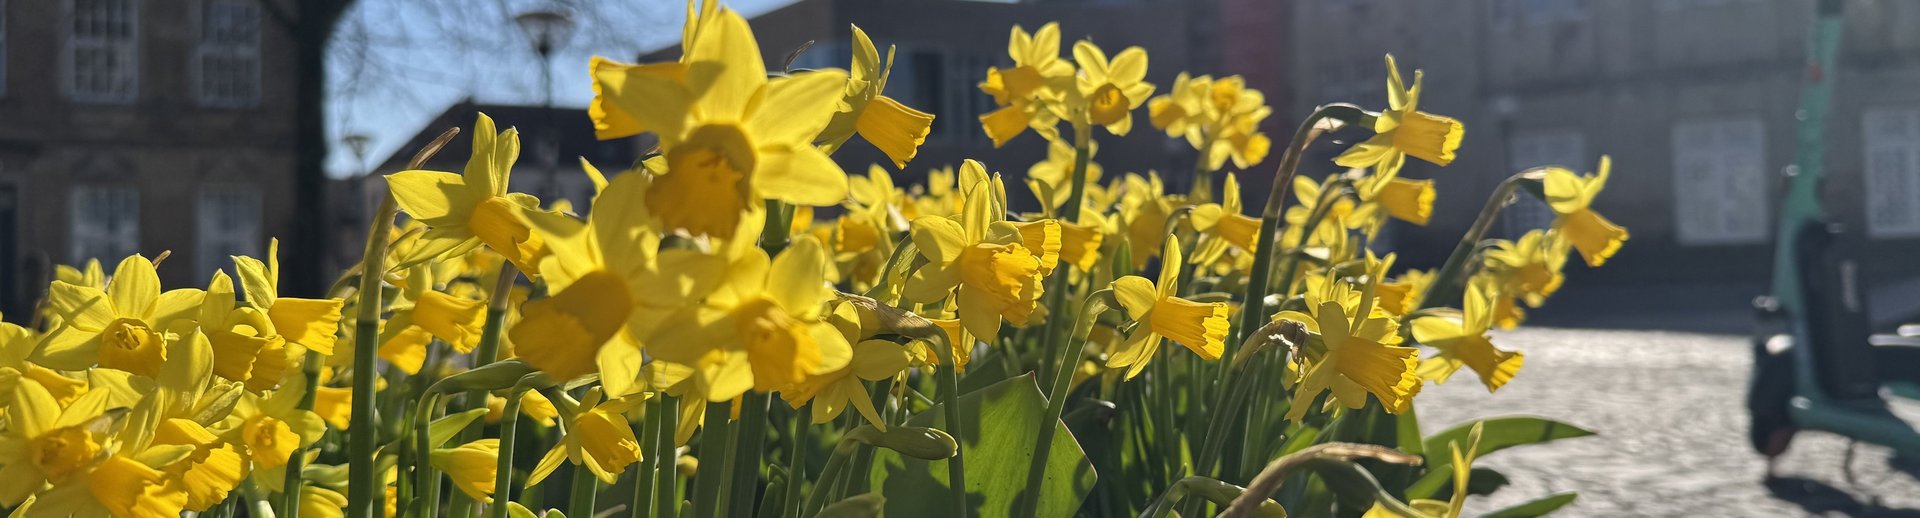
(949, 380)
(1255, 301)
(1029, 500)
(585, 485)
(364, 490)
(1451, 281)
(1056, 290)
(1202, 191)
(797, 460)
(835, 464)
(290, 490)
(666, 494)
(643, 481)
(1226, 406)
(427, 480)
(710, 481)
(749, 446)
(509, 424)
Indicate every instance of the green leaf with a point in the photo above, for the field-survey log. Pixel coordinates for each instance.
(998, 443)
(443, 429)
(1499, 433)
(1535, 508)
(858, 506)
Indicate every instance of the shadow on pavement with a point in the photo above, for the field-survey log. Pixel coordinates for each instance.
(1819, 498)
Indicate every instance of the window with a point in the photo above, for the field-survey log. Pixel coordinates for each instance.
(1893, 171)
(1720, 182)
(1562, 148)
(228, 224)
(945, 85)
(106, 223)
(227, 59)
(102, 51)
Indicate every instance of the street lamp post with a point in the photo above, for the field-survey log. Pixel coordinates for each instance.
(548, 28)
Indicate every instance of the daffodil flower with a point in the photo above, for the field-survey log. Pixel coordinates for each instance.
(764, 328)
(1362, 349)
(731, 136)
(1392, 196)
(990, 261)
(1404, 130)
(1051, 179)
(465, 210)
(1464, 342)
(1144, 208)
(45, 443)
(533, 405)
(1528, 268)
(245, 347)
(1112, 89)
(598, 437)
(873, 360)
(1037, 79)
(1219, 117)
(1404, 294)
(273, 427)
(1343, 213)
(17, 345)
(1224, 225)
(1571, 197)
(1201, 327)
(213, 470)
(611, 286)
(120, 327)
(471, 466)
(894, 128)
(309, 323)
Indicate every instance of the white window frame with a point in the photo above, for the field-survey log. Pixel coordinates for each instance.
(245, 90)
(1720, 194)
(226, 223)
(104, 220)
(1561, 147)
(126, 50)
(1890, 152)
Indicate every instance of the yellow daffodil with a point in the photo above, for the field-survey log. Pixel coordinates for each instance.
(17, 345)
(894, 128)
(597, 315)
(990, 261)
(1464, 342)
(1362, 352)
(464, 210)
(309, 323)
(1401, 198)
(1038, 78)
(873, 360)
(1219, 117)
(1402, 129)
(1224, 225)
(433, 314)
(119, 485)
(321, 502)
(533, 405)
(273, 427)
(119, 327)
(1404, 294)
(1529, 268)
(471, 466)
(1343, 214)
(1112, 89)
(1144, 208)
(214, 468)
(245, 347)
(598, 437)
(45, 443)
(1052, 179)
(768, 316)
(732, 136)
(1201, 327)
(1571, 197)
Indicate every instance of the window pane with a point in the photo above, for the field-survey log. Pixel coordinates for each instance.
(1727, 159)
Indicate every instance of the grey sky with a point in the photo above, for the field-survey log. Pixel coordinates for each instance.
(395, 64)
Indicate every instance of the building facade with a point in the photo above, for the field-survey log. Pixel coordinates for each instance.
(139, 126)
(1694, 100)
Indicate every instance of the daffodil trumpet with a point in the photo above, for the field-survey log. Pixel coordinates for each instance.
(1451, 281)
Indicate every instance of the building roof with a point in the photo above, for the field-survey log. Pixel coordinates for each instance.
(569, 127)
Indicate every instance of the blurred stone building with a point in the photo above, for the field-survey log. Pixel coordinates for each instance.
(1695, 100)
(139, 126)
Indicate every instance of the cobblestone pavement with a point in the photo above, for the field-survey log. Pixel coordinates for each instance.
(1669, 410)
